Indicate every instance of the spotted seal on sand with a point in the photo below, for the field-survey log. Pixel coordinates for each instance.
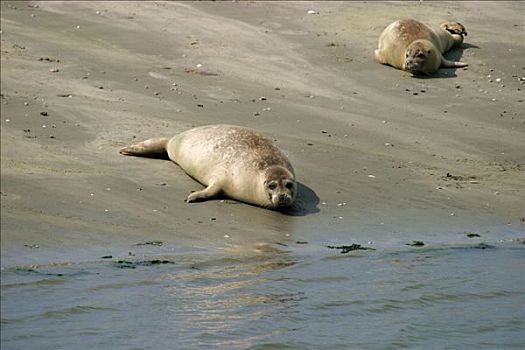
(415, 47)
(234, 161)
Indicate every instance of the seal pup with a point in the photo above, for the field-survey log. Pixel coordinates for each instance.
(234, 161)
(415, 47)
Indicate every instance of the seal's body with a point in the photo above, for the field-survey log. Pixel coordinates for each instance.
(231, 160)
(415, 47)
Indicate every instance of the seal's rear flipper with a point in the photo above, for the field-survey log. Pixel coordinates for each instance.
(151, 147)
(454, 28)
(452, 64)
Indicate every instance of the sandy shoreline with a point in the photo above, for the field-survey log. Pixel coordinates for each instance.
(373, 144)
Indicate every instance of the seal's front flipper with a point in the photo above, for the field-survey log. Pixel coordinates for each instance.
(379, 57)
(155, 146)
(209, 192)
(452, 64)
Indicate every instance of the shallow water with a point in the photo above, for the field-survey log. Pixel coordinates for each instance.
(300, 296)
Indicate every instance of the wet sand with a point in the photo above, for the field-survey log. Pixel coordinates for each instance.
(371, 145)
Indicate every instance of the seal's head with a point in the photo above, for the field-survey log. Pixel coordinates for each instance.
(419, 58)
(280, 187)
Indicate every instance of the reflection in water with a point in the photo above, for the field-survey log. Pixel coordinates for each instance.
(224, 296)
(208, 299)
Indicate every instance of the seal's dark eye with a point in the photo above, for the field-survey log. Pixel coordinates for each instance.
(272, 186)
(289, 185)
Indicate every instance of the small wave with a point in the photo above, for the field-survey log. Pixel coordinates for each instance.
(56, 314)
(41, 282)
(74, 310)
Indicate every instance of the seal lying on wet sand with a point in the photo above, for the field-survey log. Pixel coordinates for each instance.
(413, 46)
(234, 161)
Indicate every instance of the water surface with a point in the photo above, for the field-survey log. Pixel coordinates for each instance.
(299, 296)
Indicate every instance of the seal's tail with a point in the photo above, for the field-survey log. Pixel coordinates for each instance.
(155, 146)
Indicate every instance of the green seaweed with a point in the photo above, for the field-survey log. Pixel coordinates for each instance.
(127, 264)
(348, 248)
(484, 246)
(416, 244)
(155, 243)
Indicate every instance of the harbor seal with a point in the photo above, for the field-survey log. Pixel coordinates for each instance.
(234, 161)
(415, 47)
